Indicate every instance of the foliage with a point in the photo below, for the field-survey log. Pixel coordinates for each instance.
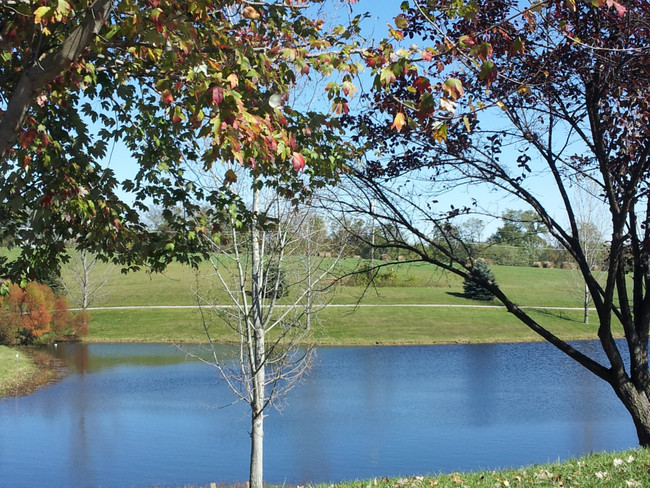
(34, 313)
(473, 285)
(171, 84)
(520, 228)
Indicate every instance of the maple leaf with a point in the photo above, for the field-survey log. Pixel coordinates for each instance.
(488, 72)
(167, 97)
(217, 94)
(453, 88)
(427, 54)
(251, 13)
(620, 9)
(230, 177)
(398, 122)
(298, 161)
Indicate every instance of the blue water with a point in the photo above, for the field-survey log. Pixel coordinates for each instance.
(144, 414)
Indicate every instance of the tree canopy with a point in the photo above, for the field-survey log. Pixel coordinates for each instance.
(174, 82)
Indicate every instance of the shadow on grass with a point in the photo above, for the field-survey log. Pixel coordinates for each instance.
(456, 294)
(558, 314)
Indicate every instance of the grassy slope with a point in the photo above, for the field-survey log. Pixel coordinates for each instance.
(14, 371)
(628, 469)
(354, 325)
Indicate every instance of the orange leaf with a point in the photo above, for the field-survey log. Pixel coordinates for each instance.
(398, 122)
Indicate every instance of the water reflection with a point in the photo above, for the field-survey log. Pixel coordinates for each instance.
(146, 414)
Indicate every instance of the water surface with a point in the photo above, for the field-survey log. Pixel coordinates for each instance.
(146, 414)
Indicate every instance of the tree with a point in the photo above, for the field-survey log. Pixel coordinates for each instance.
(590, 218)
(522, 102)
(473, 287)
(266, 258)
(85, 280)
(520, 228)
(158, 79)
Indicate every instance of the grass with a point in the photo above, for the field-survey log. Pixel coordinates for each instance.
(416, 284)
(16, 369)
(626, 469)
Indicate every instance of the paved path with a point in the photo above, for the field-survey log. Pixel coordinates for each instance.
(333, 305)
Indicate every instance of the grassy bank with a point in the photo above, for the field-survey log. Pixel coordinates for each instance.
(16, 369)
(24, 370)
(423, 306)
(626, 469)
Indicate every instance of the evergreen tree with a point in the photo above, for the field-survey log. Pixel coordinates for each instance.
(472, 288)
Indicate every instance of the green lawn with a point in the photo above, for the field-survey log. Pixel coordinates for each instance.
(627, 469)
(415, 284)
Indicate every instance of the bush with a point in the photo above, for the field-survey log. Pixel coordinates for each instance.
(34, 313)
(474, 290)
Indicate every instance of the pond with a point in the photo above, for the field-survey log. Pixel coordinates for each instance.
(145, 414)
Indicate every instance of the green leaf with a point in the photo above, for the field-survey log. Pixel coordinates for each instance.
(42, 13)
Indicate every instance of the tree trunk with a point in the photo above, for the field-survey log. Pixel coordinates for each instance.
(638, 405)
(586, 304)
(257, 429)
(258, 358)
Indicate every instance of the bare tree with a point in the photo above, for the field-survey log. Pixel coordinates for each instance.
(84, 279)
(268, 284)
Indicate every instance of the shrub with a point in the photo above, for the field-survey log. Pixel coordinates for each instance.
(474, 290)
(34, 313)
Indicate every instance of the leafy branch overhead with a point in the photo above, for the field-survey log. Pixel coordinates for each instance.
(175, 83)
(465, 44)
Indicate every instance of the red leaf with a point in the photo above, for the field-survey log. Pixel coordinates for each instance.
(167, 97)
(421, 84)
(217, 95)
(298, 161)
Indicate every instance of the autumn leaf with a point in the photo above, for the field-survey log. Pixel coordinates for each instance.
(234, 80)
(466, 41)
(42, 13)
(217, 94)
(421, 84)
(401, 22)
(517, 46)
(440, 132)
(387, 76)
(620, 9)
(298, 161)
(488, 72)
(251, 13)
(167, 97)
(483, 51)
(453, 88)
(398, 122)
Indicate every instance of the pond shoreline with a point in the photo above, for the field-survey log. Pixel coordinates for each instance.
(49, 370)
